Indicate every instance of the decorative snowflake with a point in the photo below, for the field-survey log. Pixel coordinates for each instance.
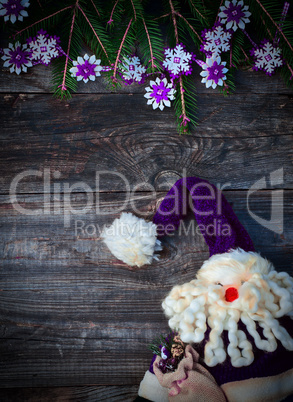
(13, 9)
(132, 70)
(267, 57)
(234, 14)
(44, 47)
(216, 40)
(160, 93)
(178, 61)
(86, 68)
(213, 72)
(18, 57)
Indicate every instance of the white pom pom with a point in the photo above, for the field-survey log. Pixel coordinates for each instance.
(132, 240)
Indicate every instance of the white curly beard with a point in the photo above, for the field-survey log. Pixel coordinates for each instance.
(264, 295)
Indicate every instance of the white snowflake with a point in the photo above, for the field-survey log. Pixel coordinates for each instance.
(132, 69)
(44, 48)
(177, 61)
(267, 57)
(217, 40)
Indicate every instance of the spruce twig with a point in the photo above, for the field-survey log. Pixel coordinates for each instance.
(275, 24)
(39, 21)
(63, 87)
(95, 7)
(112, 12)
(189, 25)
(183, 115)
(119, 52)
(94, 32)
(150, 45)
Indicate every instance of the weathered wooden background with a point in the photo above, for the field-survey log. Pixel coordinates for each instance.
(75, 322)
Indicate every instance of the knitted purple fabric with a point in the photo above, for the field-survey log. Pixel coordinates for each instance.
(265, 364)
(210, 208)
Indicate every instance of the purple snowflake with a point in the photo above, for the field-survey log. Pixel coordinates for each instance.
(44, 48)
(160, 93)
(17, 57)
(86, 68)
(13, 9)
(216, 40)
(178, 61)
(234, 14)
(213, 72)
(267, 57)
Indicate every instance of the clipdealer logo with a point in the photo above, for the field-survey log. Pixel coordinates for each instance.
(57, 197)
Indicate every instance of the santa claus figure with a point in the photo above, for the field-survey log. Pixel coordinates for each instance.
(236, 315)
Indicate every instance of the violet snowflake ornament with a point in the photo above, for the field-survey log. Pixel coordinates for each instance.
(160, 93)
(234, 14)
(214, 71)
(13, 9)
(267, 57)
(86, 68)
(216, 40)
(132, 70)
(177, 61)
(44, 47)
(17, 58)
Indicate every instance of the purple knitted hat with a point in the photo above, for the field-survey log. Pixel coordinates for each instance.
(135, 242)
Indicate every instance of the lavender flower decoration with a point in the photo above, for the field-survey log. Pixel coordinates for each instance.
(160, 93)
(86, 68)
(215, 40)
(44, 48)
(13, 9)
(177, 61)
(213, 72)
(234, 14)
(17, 57)
(267, 57)
(132, 70)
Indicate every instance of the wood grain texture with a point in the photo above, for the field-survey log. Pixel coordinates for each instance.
(38, 80)
(98, 132)
(70, 394)
(74, 315)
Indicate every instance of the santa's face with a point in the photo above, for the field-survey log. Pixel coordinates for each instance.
(231, 287)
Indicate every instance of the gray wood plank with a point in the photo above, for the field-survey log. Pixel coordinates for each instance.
(98, 133)
(72, 314)
(71, 394)
(238, 115)
(38, 80)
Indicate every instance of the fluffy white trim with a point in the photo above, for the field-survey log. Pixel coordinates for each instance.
(132, 240)
(264, 295)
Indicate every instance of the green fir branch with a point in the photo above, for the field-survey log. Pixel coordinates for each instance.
(94, 32)
(199, 12)
(123, 42)
(150, 44)
(42, 23)
(185, 105)
(62, 80)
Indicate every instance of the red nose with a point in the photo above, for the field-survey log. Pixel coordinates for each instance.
(231, 294)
